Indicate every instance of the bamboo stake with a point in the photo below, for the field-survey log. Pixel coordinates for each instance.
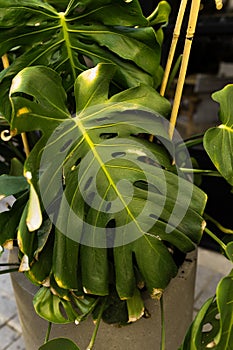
(175, 38)
(5, 63)
(195, 6)
(25, 143)
(172, 50)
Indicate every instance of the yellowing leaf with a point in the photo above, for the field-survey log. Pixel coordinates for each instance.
(34, 216)
(22, 110)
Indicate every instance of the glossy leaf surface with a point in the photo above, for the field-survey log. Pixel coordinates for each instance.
(94, 155)
(10, 185)
(101, 31)
(218, 141)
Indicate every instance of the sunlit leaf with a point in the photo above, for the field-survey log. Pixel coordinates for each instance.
(115, 189)
(34, 215)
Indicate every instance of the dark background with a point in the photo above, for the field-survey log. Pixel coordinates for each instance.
(213, 41)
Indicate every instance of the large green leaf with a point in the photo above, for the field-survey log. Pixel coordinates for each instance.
(102, 31)
(213, 325)
(105, 187)
(197, 337)
(218, 141)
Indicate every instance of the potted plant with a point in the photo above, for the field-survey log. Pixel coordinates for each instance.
(105, 202)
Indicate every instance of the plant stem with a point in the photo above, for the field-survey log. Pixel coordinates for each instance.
(94, 334)
(48, 332)
(201, 171)
(215, 238)
(221, 228)
(25, 144)
(162, 345)
(5, 61)
(192, 142)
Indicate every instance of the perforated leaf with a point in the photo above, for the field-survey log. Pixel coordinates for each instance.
(213, 325)
(100, 31)
(95, 172)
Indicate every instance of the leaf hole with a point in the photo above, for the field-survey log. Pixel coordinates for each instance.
(102, 119)
(85, 41)
(110, 234)
(78, 161)
(118, 154)
(145, 186)
(90, 197)
(107, 136)
(80, 9)
(55, 56)
(153, 216)
(108, 206)
(24, 95)
(62, 311)
(68, 78)
(88, 183)
(147, 160)
(207, 328)
(217, 317)
(66, 145)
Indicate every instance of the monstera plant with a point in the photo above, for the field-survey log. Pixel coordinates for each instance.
(105, 202)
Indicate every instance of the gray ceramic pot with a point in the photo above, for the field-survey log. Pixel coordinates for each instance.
(143, 334)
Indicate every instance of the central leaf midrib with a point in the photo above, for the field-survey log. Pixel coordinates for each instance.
(226, 127)
(103, 167)
(67, 42)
